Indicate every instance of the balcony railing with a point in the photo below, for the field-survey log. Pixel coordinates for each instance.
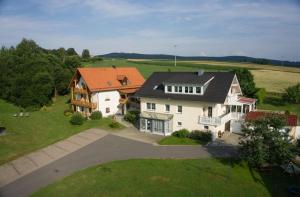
(80, 90)
(123, 100)
(84, 103)
(220, 119)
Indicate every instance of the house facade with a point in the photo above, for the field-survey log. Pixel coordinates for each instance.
(105, 89)
(212, 101)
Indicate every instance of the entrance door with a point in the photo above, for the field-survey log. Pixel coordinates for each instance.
(209, 111)
(149, 125)
(227, 126)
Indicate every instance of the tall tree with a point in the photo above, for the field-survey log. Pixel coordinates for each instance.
(85, 54)
(265, 141)
(292, 94)
(246, 81)
(71, 52)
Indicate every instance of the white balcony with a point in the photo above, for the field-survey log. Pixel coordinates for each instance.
(220, 119)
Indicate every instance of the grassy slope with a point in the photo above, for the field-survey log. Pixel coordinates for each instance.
(172, 140)
(39, 130)
(199, 177)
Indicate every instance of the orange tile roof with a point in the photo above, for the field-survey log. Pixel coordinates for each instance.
(106, 78)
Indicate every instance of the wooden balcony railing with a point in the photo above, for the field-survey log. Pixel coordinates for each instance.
(80, 90)
(123, 100)
(84, 103)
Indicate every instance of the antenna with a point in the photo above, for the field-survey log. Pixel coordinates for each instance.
(175, 55)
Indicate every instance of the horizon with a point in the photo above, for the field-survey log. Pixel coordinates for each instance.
(260, 29)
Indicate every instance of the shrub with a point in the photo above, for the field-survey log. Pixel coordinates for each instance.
(183, 133)
(77, 119)
(204, 136)
(261, 95)
(68, 112)
(292, 94)
(132, 116)
(114, 125)
(96, 115)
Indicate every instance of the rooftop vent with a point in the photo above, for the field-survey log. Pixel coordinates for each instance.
(114, 66)
(200, 72)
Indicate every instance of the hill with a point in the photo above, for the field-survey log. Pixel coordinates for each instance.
(195, 58)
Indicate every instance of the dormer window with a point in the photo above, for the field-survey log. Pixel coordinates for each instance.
(180, 89)
(175, 88)
(198, 90)
(190, 89)
(186, 89)
(169, 88)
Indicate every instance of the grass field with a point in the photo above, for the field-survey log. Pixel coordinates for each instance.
(172, 140)
(199, 177)
(26, 134)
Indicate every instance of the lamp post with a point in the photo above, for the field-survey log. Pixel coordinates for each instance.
(175, 55)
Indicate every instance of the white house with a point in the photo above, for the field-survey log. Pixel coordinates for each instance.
(105, 89)
(212, 101)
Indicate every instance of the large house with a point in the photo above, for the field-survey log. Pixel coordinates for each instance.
(211, 101)
(105, 89)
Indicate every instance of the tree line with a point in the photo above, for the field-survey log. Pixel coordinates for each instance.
(31, 75)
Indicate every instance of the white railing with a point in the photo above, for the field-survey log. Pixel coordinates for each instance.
(220, 119)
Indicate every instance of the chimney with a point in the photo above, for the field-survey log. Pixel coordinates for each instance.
(113, 66)
(200, 72)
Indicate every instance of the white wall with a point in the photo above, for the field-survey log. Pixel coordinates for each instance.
(102, 103)
(190, 112)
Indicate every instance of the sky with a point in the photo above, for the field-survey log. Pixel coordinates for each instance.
(268, 29)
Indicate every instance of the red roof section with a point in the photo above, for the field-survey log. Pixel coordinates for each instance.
(254, 115)
(106, 78)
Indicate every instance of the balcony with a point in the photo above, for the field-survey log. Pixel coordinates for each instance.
(84, 103)
(220, 119)
(123, 100)
(80, 90)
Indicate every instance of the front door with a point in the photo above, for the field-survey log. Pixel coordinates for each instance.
(227, 126)
(149, 125)
(209, 111)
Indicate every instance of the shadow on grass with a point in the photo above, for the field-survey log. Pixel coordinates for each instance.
(274, 100)
(275, 180)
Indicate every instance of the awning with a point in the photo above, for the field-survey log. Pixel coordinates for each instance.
(128, 91)
(246, 100)
(158, 116)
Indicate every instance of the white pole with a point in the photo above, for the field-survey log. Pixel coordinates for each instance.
(175, 54)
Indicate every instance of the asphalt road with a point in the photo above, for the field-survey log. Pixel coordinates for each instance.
(106, 149)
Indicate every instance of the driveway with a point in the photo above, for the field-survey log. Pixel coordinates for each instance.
(107, 148)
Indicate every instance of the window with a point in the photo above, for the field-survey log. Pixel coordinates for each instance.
(167, 108)
(191, 90)
(179, 109)
(169, 88)
(151, 106)
(107, 110)
(179, 124)
(206, 127)
(148, 105)
(186, 89)
(209, 111)
(176, 88)
(180, 88)
(198, 90)
(107, 99)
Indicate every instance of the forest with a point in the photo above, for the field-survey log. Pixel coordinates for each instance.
(30, 75)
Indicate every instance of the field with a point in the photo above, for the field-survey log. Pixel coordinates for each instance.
(41, 128)
(272, 78)
(198, 177)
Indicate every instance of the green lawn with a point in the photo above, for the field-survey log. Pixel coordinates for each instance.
(172, 140)
(198, 177)
(44, 127)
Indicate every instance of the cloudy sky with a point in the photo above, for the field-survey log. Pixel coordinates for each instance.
(269, 29)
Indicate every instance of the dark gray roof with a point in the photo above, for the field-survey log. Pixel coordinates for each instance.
(216, 91)
(188, 78)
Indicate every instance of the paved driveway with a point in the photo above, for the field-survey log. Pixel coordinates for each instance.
(108, 148)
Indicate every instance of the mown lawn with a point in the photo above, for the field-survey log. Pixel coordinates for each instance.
(172, 140)
(41, 128)
(198, 177)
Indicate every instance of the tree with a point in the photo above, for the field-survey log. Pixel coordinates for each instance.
(261, 95)
(62, 81)
(85, 54)
(246, 81)
(292, 94)
(71, 52)
(265, 141)
(72, 62)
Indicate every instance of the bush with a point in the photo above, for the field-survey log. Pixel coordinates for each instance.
(77, 119)
(96, 115)
(292, 94)
(132, 116)
(204, 136)
(183, 133)
(68, 112)
(114, 125)
(261, 95)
